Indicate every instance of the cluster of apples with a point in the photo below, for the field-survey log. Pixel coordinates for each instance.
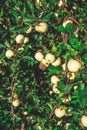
(60, 112)
(48, 59)
(42, 27)
(72, 66)
(16, 101)
(20, 39)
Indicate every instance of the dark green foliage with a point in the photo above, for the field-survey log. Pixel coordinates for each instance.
(21, 76)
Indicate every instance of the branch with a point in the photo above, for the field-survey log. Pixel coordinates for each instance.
(64, 36)
(76, 22)
(51, 113)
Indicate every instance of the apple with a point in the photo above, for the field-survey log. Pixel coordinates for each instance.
(50, 58)
(73, 65)
(84, 120)
(26, 40)
(72, 76)
(59, 122)
(74, 7)
(54, 79)
(20, 49)
(41, 27)
(60, 3)
(67, 126)
(57, 62)
(75, 87)
(38, 2)
(19, 39)
(39, 56)
(38, 125)
(25, 113)
(9, 53)
(76, 34)
(64, 67)
(66, 22)
(65, 100)
(16, 103)
(55, 90)
(29, 30)
(15, 95)
(45, 62)
(59, 112)
(50, 92)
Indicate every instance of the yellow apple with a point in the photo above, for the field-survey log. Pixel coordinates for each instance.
(73, 65)
(44, 61)
(26, 40)
(75, 87)
(9, 54)
(29, 30)
(50, 58)
(25, 113)
(20, 49)
(50, 92)
(64, 67)
(66, 22)
(39, 56)
(55, 90)
(60, 3)
(19, 39)
(72, 76)
(59, 112)
(38, 3)
(54, 79)
(41, 27)
(57, 62)
(16, 103)
(59, 122)
(84, 120)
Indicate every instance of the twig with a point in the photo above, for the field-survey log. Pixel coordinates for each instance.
(12, 89)
(12, 85)
(64, 36)
(51, 113)
(76, 22)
